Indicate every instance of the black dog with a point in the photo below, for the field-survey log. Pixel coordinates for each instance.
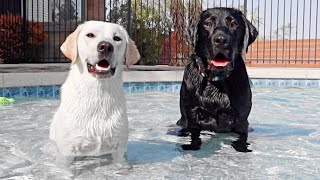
(215, 92)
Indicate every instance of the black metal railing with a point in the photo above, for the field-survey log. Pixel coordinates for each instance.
(31, 31)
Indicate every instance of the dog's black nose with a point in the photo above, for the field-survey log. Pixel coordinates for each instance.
(221, 41)
(105, 47)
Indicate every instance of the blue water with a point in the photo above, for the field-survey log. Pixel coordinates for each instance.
(285, 141)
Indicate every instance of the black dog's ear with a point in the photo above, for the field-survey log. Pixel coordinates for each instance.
(250, 36)
(192, 31)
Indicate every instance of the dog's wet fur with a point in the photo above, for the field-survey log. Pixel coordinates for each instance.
(220, 37)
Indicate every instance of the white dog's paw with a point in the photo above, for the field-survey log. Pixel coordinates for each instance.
(77, 147)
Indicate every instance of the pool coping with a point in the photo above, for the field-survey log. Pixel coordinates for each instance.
(21, 75)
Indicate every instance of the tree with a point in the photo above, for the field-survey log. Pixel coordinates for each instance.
(283, 32)
(182, 15)
(65, 11)
(253, 16)
(148, 30)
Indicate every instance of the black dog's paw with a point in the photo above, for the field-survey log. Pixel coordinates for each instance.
(193, 146)
(189, 147)
(241, 146)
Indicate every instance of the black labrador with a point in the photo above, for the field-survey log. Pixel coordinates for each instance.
(215, 93)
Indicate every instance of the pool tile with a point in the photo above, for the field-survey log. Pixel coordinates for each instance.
(259, 82)
(166, 87)
(250, 83)
(286, 83)
(272, 83)
(177, 87)
(1, 91)
(126, 87)
(45, 91)
(298, 82)
(28, 91)
(11, 92)
(56, 91)
(151, 86)
(312, 83)
(137, 87)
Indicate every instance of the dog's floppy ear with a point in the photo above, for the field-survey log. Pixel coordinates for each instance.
(70, 46)
(132, 55)
(192, 31)
(250, 36)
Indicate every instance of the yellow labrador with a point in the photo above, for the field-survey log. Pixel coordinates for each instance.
(92, 118)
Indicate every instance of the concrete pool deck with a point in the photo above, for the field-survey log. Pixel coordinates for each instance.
(18, 75)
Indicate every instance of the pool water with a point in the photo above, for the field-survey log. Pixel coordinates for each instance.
(285, 141)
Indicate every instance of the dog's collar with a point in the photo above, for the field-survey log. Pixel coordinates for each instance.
(210, 76)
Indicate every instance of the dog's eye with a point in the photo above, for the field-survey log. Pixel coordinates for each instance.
(90, 35)
(117, 38)
(234, 24)
(207, 24)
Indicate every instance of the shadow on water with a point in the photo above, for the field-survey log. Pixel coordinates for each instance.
(211, 142)
(142, 152)
(212, 145)
(281, 130)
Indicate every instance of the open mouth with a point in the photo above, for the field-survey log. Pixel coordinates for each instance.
(220, 60)
(101, 68)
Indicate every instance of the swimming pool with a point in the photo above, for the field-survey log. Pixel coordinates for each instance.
(285, 141)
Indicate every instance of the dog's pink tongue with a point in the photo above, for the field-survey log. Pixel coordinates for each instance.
(220, 62)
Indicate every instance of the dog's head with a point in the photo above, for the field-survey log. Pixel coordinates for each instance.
(219, 36)
(99, 48)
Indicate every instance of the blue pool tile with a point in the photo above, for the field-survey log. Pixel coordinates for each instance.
(137, 87)
(166, 87)
(45, 91)
(126, 87)
(1, 91)
(286, 83)
(11, 92)
(298, 82)
(28, 91)
(250, 83)
(151, 86)
(56, 91)
(272, 83)
(312, 83)
(177, 87)
(259, 82)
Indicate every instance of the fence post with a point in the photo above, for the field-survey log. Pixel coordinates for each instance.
(129, 18)
(245, 8)
(24, 31)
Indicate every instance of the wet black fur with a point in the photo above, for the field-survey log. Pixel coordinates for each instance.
(220, 106)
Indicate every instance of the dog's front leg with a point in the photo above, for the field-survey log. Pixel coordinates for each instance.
(241, 144)
(195, 140)
(120, 158)
(194, 128)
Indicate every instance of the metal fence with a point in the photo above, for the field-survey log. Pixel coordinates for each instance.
(31, 31)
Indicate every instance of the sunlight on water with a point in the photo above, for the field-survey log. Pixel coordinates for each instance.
(285, 141)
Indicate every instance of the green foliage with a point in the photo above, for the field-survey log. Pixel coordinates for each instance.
(148, 28)
(12, 36)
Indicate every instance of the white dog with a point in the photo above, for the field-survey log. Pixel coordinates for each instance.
(92, 118)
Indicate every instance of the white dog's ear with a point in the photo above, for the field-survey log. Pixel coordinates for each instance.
(70, 46)
(132, 53)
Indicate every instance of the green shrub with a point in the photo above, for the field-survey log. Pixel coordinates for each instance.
(12, 42)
